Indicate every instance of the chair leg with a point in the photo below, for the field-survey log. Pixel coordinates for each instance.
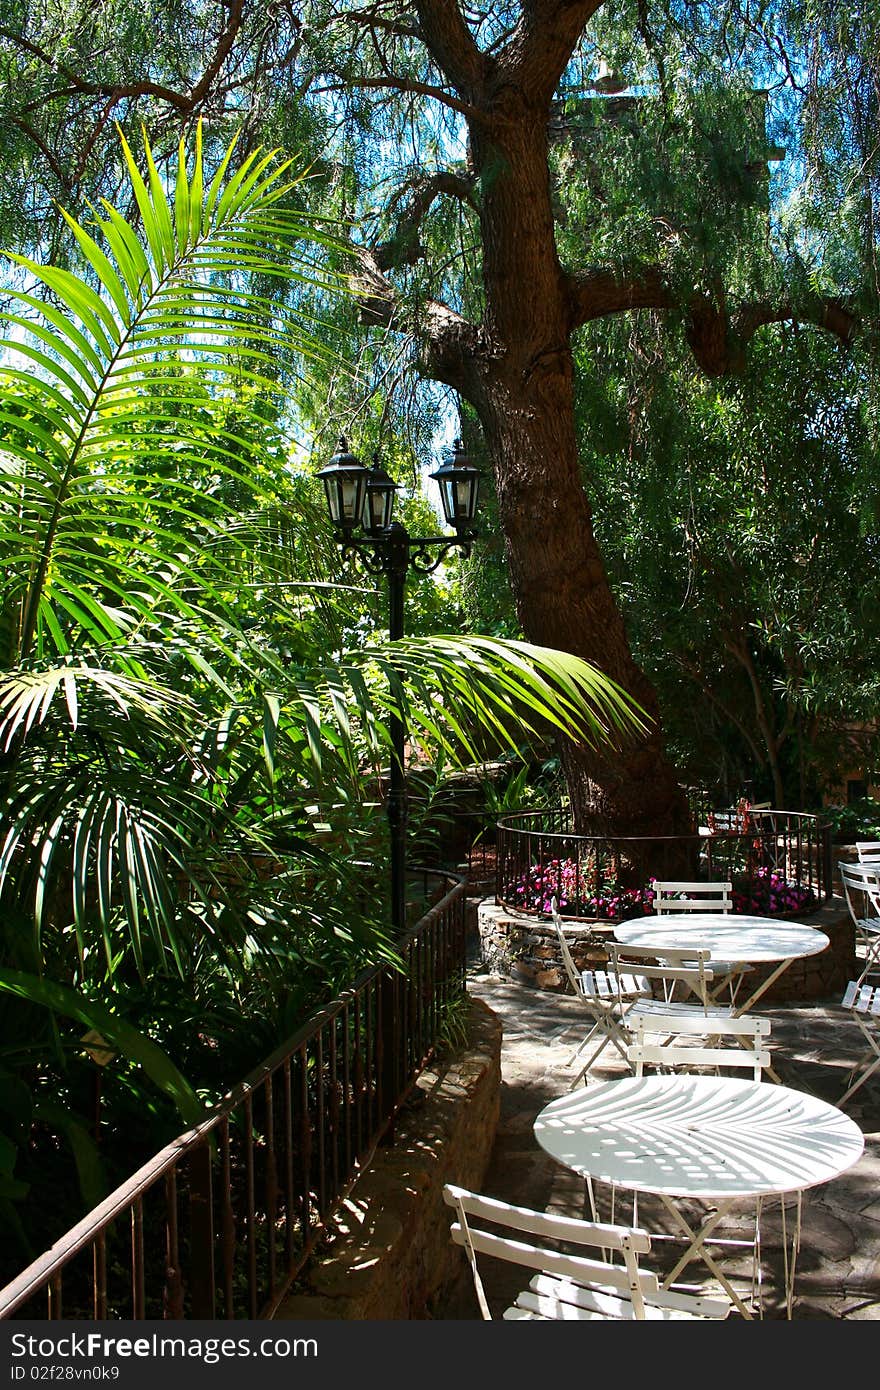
(863, 1077)
(610, 1037)
(600, 1026)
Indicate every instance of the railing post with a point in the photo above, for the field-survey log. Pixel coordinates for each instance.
(826, 860)
(388, 1043)
(201, 1233)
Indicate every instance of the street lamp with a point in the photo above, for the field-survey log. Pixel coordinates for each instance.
(361, 500)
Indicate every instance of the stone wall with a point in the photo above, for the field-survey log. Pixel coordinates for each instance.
(525, 948)
(387, 1253)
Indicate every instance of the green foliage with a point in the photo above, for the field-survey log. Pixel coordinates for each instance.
(192, 844)
(453, 1031)
(735, 528)
(858, 820)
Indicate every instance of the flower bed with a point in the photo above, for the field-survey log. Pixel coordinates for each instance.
(767, 893)
(764, 893)
(559, 878)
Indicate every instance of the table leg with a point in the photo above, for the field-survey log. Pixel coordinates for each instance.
(696, 1249)
(790, 1265)
(756, 994)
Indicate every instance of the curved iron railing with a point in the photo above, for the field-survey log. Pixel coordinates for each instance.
(219, 1223)
(779, 862)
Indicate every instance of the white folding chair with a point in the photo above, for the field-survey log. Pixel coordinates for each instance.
(861, 887)
(863, 1003)
(578, 1286)
(750, 1031)
(670, 1018)
(867, 850)
(670, 969)
(692, 897)
(606, 997)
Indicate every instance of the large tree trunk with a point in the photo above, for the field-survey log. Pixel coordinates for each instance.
(563, 600)
(522, 388)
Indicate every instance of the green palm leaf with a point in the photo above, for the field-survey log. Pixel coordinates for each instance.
(136, 1048)
(168, 319)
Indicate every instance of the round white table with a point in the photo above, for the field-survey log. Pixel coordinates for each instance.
(714, 1138)
(736, 939)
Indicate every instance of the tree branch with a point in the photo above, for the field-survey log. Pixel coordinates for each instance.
(403, 246)
(717, 338)
(185, 102)
(371, 19)
(221, 53)
(829, 314)
(596, 294)
(36, 139)
(405, 84)
(542, 44)
(449, 344)
(451, 45)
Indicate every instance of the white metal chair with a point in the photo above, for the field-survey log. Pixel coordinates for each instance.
(606, 997)
(867, 850)
(669, 968)
(673, 1019)
(861, 887)
(863, 1003)
(750, 1031)
(581, 1286)
(693, 897)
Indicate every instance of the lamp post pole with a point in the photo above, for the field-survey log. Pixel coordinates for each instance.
(360, 500)
(397, 563)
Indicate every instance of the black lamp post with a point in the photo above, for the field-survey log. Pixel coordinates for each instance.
(362, 500)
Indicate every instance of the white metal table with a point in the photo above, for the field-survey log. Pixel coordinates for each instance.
(737, 939)
(718, 1139)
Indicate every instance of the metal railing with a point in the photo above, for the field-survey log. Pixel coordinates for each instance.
(779, 861)
(219, 1223)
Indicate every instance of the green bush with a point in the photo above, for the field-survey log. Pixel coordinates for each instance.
(859, 820)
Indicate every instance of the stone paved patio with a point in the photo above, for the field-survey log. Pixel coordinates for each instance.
(839, 1262)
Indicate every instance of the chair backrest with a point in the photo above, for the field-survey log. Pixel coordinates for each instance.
(693, 897)
(868, 849)
(571, 970)
(863, 998)
(861, 887)
(670, 967)
(750, 1032)
(474, 1212)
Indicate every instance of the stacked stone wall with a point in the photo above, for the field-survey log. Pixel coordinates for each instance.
(387, 1252)
(525, 948)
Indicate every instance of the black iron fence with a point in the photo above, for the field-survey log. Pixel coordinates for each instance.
(779, 862)
(220, 1222)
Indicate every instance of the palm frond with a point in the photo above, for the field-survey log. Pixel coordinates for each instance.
(119, 373)
(448, 687)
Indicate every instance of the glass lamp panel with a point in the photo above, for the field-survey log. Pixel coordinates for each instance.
(378, 499)
(344, 480)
